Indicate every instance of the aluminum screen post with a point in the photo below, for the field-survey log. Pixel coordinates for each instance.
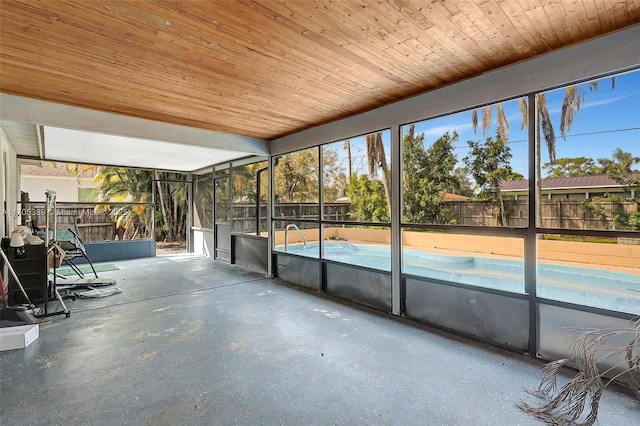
(530, 242)
(153, 212)
(396, 213)
(320, 164)
(270, 206)
(189, 236)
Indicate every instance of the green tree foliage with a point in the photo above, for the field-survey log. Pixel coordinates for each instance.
(334, 176)
(127, 185)
(466, 187)
(368, 199)
(222, 200)
(621, 169)
(172, 196)
(377, 159)
(574, 97)
(203, 200)
(427, 175)
(296, 177)
(121, 185)
(245, 181)
(571, 167)
(620, 163)
(488, 163)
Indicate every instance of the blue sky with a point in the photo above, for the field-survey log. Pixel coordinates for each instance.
(607, 119)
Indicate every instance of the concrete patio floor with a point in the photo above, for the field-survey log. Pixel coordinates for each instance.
(192, 341)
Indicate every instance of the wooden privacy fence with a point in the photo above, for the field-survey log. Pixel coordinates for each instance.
(584, 215)
(332, 211)
(566, 214)
(93, 226)
(244, 214)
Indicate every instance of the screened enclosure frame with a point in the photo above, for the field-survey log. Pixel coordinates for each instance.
(527, 307)
(528, 234)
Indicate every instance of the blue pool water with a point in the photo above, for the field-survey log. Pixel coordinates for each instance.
(582, 285)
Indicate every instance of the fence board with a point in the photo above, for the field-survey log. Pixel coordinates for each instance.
(567, 214)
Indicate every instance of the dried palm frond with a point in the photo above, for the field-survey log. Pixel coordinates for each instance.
(503, 124)
(524, 111)
(573, 99)
(567, 405)
(372, 155)
(486, 120)
(474, 120)
(547, 126)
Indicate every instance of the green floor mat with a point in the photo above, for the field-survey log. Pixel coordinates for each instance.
(86, 269)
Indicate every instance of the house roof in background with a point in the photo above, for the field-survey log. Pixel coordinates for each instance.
(577, 182)
(49, 169)
(448, 196)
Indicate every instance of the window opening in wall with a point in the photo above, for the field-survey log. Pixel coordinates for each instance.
(297, 201)
(357, 179)
(455, 168)
(106, 203)
(459, 224)
(589, 241)
(465, 200)
(222, 217)
(357, 200)
(203, 201)
(356, 197)
(250, 198)
(172, 203)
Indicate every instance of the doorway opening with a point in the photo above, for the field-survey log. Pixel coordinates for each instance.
(172, 200)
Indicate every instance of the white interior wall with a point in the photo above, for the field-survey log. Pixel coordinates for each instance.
(66, 188)
(9, 186)
(202, 242)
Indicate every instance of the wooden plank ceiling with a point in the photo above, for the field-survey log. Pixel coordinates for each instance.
(266, 69)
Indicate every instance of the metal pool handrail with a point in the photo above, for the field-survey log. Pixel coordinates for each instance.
(286, 236)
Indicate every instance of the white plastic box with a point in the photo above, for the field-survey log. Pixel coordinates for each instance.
(18, 337)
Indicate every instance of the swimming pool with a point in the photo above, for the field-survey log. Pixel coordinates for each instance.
(581, 285)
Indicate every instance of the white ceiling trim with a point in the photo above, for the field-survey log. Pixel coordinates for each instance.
(49, 114)
(78, 146)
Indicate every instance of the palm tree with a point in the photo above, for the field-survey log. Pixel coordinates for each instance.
(75, 169)
(347, 146)
(376, 158)
(620, 168)
(503, 124)
(173, 199)
(574, 97)
(123, 185)
(126, 185)
(621, 163)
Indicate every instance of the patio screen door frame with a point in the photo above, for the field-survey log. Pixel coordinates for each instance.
(222, 218)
